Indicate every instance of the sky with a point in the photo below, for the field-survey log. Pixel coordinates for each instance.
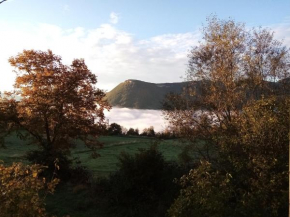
(147, 40)
(124, 39)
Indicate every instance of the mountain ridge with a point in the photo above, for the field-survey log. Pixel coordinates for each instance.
(138, 94)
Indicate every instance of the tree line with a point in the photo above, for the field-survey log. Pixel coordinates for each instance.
(115, 129)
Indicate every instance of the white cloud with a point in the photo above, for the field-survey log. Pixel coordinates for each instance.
(114, 18)
(114, 55)
(282, 32)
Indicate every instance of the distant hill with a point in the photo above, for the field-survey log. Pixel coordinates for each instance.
(142, 95)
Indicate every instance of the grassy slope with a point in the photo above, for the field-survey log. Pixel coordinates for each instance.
(113, 146)
(15, 150)
(103, 165)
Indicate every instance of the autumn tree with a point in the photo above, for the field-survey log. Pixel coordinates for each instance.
(234, 115)
(58, 103)
(229, 68)
(250, 176)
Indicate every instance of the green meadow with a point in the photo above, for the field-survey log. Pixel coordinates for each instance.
(106, 163)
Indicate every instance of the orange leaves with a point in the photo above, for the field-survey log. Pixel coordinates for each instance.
(58, 102)
(20, 188)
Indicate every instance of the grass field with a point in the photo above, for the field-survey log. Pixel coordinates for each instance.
(105, 164)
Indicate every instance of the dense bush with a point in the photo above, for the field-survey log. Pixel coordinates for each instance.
(50, 158)
(143, 185)
(80, 175)
(60, 165)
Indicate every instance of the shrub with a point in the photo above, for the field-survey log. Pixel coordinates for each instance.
(80, 175)
(49, 158)
(143, 185)
(22, 192)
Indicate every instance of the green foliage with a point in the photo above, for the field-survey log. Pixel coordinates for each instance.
(22, 192)
(73, 200)
(132, 132)
(143, 185)
(115, 129)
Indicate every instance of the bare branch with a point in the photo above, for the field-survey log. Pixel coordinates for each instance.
(2, 1)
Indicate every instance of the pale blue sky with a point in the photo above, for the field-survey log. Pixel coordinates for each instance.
(125, 39)
(144, 18)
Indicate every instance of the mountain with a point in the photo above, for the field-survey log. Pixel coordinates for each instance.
(142, 95)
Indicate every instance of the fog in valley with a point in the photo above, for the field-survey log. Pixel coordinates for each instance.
(137, 118)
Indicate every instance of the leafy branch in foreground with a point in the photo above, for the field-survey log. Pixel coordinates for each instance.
(2, 1)
(22, 192)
